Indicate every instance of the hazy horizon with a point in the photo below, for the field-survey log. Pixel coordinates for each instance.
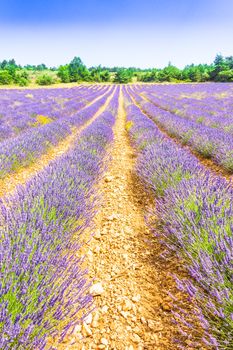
(119, 33)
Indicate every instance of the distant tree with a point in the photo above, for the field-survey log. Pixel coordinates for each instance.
(123, 76)
(229, 62)
(41, 67)
(219, 65)
(63, 74)
(99, 74)
(169, 73)
(105, 76)
(78, 71)
(3, 64)
(12, 63)
(225, 75)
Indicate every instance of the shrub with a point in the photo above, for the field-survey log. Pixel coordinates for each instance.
(23, 82)
(45, 79)
(5, 77)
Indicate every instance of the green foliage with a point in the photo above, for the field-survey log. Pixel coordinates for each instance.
(123, 76)
(78, 71)
(22, 78)
(5, 77)
(225, 75)
(99, 75)
(63, 74)
(45, 79)
(220, 70)
(23, 82)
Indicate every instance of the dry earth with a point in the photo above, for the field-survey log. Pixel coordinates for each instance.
(130, 290)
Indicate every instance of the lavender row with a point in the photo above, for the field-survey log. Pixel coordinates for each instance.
(196, 223)
(44, 284)
(207, 104)
(209, 142)
(23, 110)
(26, 148)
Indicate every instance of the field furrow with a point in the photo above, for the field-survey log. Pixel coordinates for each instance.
(132, 307)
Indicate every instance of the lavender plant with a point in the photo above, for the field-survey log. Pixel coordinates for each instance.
(23, 150)
(209, 142)
(195, 211)
(44, 288)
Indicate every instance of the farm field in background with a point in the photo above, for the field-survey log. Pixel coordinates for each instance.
(116, 217)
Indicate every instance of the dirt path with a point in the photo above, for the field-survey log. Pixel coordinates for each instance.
(208, 163)
(132, 308)
(9, 183)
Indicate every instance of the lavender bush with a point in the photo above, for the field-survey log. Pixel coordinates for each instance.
(43, 282)
(195, 211)
(209, 142)
(24, 149)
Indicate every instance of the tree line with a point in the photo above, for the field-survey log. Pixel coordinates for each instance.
(221, 70)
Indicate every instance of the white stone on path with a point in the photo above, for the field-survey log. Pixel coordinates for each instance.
(96, 289)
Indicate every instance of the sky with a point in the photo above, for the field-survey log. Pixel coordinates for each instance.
(140, 33)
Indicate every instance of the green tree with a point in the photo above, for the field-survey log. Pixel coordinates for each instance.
(123, 76)
(41, 67)
(105, 76)
(63, 74)
(219, 65)
(78, 71)
(229, 62)
(225, 75)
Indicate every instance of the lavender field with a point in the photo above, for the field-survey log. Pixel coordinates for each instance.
(122, 238)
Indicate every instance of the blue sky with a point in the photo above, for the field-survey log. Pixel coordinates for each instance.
(143, 33)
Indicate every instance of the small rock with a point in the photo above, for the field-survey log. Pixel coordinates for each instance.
(95, 321)
(126, 305)
(138, 331)
(78, 328)
(112, 217)
(104, 341)
(97, 234)
(143, 320)
(88, 319)
(104, 309)
(73, 341)
(96, 289)
(124, 314)
(134, 319)
(136, 298)
(86, 330)
(151, 324)
(108, 179)
(97, 249)
(119, 308)
(136, 339)
(166, 307)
